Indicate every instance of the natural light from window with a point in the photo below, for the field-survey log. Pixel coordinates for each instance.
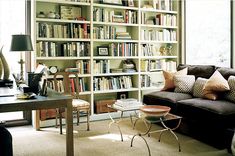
(12, 16)
(208, 32)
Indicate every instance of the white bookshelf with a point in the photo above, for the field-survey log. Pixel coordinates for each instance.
(134, 29)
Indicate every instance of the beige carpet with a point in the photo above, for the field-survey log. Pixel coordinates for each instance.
(98, 142)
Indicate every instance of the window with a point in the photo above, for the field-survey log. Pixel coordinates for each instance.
(208, 32)
(12, 21)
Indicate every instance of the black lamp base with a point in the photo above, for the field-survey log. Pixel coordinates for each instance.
(6, 83)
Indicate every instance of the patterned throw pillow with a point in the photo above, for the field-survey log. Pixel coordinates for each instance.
(169, 78)
(230, 95)
(216, 83)
(184, 83)
(198, 87)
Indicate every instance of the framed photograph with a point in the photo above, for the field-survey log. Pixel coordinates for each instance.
(112, 2)
(131, 3)
(103, 50)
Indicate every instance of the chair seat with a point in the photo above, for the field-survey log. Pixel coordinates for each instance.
(80, 103)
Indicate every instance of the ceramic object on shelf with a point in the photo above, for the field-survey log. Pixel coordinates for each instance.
(51, 15)
(155, 110)
(41, 15)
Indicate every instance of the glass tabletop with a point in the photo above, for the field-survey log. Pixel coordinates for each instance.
(156, 119)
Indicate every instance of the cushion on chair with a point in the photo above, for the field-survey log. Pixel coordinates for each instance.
(80, 103)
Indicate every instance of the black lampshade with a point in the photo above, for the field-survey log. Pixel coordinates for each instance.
(21, 43)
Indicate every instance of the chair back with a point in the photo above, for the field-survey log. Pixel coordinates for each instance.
(67, 83)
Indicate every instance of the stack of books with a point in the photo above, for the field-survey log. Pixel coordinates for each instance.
(129, 103)
(123, 35)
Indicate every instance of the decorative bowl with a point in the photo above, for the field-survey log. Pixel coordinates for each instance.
(155, 110)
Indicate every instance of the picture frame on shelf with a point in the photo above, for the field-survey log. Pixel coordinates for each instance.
(103, 50)
(111, 2)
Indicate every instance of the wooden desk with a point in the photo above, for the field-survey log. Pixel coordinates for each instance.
(53, 100)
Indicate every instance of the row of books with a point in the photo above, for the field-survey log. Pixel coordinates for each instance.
(112, 83)
(105, 15)
(69, 30)
(104, 32)
(54, 49)
(101, 66)
(159, 35)
(75, 86)
(123, 49)
(155, 65)
(159, 19)
(163, 4)
(83, 66)
(149, 50)
(145, 81)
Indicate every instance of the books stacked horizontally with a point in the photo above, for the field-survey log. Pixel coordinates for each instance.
(130, 103)
(123, 35)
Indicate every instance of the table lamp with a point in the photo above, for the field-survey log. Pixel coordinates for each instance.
(21, 43)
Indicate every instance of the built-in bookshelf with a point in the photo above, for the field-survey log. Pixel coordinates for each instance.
(117, 48)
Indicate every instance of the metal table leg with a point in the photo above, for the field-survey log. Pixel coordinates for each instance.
(148, 132)
(117, 124)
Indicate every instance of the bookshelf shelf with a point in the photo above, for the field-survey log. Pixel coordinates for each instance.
(64, 39)
(155, 42)
(63, 58)
(60, 21)
(157, 11)
(110, 39)
(158, 26)
(116, 90)
(115, 6)
(114, 57)
(116, 40)
(158, 57)
(115, 74)
(64, 2)
(112, 23)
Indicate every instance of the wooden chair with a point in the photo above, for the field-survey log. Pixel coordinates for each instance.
(68, 84)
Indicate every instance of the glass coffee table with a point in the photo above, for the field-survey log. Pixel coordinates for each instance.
(150, 120)
(122, 110)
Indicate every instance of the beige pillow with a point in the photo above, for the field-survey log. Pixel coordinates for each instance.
(169, 78)
(216, 83)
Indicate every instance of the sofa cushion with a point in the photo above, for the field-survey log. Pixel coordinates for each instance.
(169, 78)
(216, 83)
(165, 98)
(198, 87)
(203, 109)
(184, 83)
(204, 71)
(230, 95)
(226, 72)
